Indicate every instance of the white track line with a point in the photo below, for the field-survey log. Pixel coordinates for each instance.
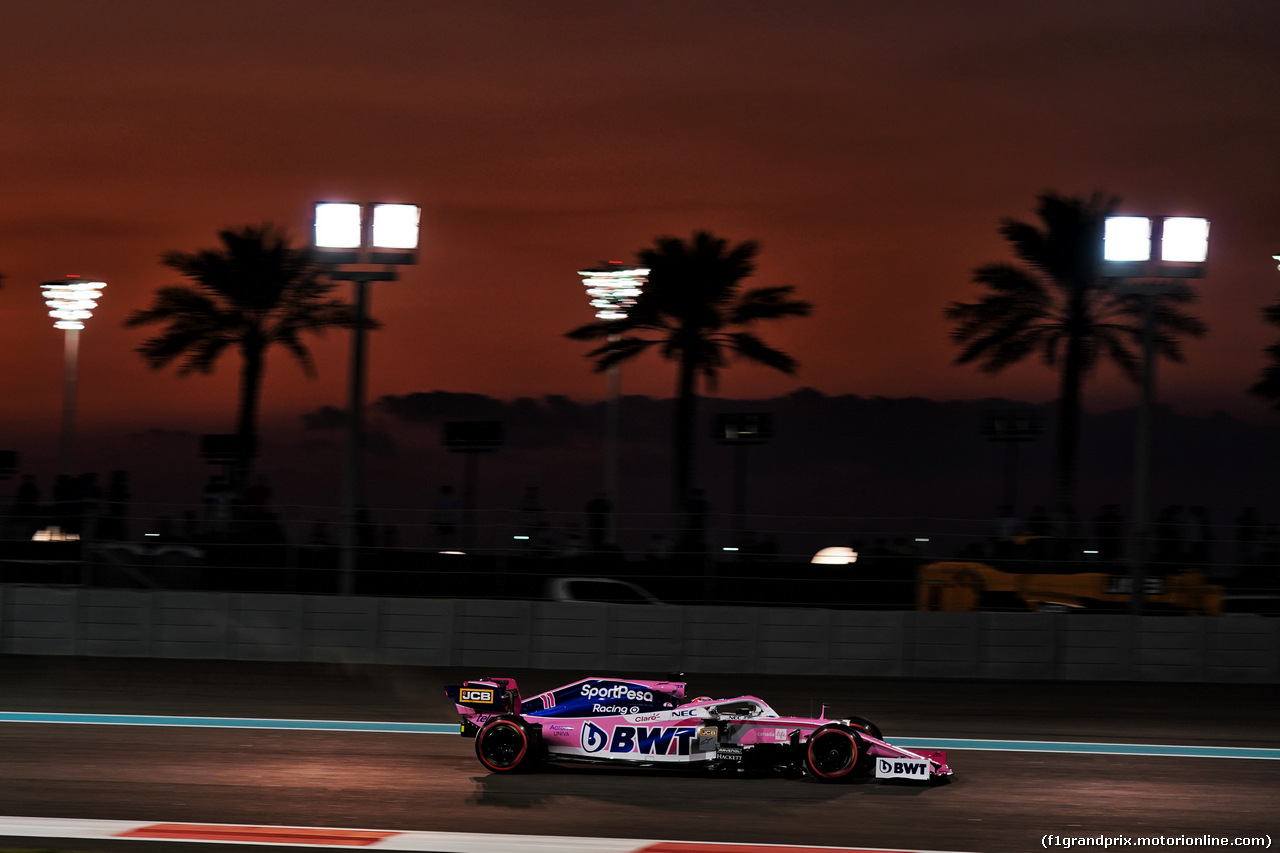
(422, 842)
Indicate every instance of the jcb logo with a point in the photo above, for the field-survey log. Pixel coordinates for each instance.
(479, 695)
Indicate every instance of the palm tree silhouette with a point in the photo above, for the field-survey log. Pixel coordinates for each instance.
(1057, 305)
(253, 292)
(1268, 385)
(694, 304)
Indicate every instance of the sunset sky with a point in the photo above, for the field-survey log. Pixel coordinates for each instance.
(871, 148)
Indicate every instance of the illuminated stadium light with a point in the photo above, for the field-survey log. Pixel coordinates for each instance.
(1185, 240)
(371, 233)
(395, 226)
(1129, 252)
(614, 288)
(71, 301)
(338, 225)
(352, 233)
(1129, 247)
(1127, 238)
(836, 555)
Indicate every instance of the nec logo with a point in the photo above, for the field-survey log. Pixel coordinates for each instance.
(479, 695)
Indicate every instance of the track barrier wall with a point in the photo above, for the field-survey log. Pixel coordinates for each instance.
(693, 638)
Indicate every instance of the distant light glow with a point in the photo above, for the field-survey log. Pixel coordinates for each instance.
(614, 289)
(1127, 238)
(54, 533)
(1185, 239)
(338, 225)
(836, 555)
(71, 302)
(728, 548)
(395, 226)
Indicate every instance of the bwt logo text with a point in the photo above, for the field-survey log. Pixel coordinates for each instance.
(903, 768)
(658, 740)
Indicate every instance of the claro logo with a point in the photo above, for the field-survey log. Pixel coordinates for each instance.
(479, 695)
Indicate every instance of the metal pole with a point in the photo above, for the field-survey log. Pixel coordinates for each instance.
(739, 491)
(470, 479)
(611, 450)
(1011, 477)
(71, 371)
(355, 441)
(1140, 540)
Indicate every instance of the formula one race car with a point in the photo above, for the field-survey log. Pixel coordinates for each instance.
(649, 723)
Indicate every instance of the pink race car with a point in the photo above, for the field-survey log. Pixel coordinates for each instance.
(649, 723)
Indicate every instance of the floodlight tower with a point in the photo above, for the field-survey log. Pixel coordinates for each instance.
(1128, 253)
(71, 301)
(361, 234)
(613, 289)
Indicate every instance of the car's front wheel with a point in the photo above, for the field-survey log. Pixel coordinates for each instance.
(865, 725)
(504, 745)
(831, 753)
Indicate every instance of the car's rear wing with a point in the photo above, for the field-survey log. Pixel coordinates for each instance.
(485, 696)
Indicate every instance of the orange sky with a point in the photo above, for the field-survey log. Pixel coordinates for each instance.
(872, 152)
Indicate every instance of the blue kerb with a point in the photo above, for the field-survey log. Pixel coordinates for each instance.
(229, 723)
(1150, 749)
(1089, 748)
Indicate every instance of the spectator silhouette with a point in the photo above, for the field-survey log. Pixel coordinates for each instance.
(65, 512)
(1169, 535)
(444, 517)
(1039, 524)
(218, 498)
(1108, 533)
(26, 507)
(1247, 526)
(693, 537)
(88, 503)
(598, 510)
(115, 523)
(1200, 547)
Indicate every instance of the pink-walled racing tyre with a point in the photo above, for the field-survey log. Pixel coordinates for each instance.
(832, 752)
(504, 745)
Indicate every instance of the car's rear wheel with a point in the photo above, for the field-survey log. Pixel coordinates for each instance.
(504, 745)
(832, 753)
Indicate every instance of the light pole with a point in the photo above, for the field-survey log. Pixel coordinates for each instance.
(366, 234)
(71, 302)
(1012, 427)
(1128, 253)
(741, 430)
(613, 288)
